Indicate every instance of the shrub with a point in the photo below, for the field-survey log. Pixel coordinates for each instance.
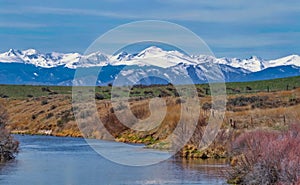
(163, 94)
(8, 146)
(49, 115)
(170, 88)
(46, 89)
(53, 107)
(3, 96)
(67, 115)
(99, 96)
(148, 92)
(206, 106)
(53, 93)
(44, 102)
(267, 157)
(33, 116)
(59, 123)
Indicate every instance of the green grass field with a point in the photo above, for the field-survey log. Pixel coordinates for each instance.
(24, 91)
(273, 85)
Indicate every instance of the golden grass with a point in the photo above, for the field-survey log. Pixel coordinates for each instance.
(32, 115)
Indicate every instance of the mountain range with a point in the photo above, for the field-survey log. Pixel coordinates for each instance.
(32, 67)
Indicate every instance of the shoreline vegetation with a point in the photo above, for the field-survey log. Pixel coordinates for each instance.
(8, 145)
(254, 110)
(266, 157)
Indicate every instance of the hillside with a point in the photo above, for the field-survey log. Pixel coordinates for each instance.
(48, 110)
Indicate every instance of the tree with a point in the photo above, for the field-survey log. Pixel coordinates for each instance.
(8, 145)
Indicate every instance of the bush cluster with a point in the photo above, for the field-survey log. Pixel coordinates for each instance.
(8, 146)
(267, 157)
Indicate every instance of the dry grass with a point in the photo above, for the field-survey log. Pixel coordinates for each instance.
(283, 112)
(55, 114)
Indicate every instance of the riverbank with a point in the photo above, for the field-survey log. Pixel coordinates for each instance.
(45, 133)
(53, 115)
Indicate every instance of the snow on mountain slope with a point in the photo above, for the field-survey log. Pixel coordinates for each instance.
(152, 56)
(252, 64)
(11, 56)
(32, 56)
(285, 61)
(95, 59)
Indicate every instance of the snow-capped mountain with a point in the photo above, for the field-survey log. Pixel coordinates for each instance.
(253, 63)
(33, 57)
(32, 67)
(152, 56)
(285, 61)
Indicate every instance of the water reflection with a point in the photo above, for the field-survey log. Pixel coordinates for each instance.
(70, 161)
(211, 167)
(7, 169)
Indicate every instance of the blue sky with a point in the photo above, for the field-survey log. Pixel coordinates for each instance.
(268, 28)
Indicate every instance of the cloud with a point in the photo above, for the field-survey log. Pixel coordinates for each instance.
(202, 11)
(254, 40)
(230, 25)
(20, 25)
(150, 31)
(266, 45)
(72, 11)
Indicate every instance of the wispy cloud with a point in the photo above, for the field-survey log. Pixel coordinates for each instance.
(203, 11)
(72, 11)
(20, 25)
(257, 40)
(230, 25)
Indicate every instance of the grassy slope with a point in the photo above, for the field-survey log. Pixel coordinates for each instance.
(274, 85)
(33, 115)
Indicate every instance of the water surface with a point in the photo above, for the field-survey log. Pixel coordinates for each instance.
(46, 160)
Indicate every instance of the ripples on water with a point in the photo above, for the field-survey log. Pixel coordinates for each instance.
(45, 160)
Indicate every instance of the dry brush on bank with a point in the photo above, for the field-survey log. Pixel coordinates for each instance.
(8, 146)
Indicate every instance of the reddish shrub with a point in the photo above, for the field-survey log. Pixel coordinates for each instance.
(267, 157)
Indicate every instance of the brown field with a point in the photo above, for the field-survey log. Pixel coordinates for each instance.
(54, 115)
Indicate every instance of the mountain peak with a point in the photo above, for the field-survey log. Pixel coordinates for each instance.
(30, 52)
(253, 57)
(152, 50)
(120, 56)
(13, 52)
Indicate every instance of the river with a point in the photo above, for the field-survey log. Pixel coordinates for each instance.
(47, 160)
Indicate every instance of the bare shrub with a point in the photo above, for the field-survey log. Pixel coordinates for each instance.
(8, 146)
(267, 157)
